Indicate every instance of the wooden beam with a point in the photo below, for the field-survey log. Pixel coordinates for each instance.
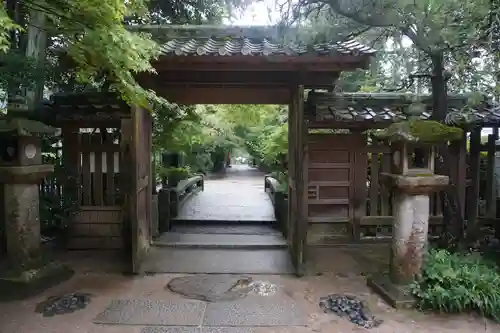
(473, 193)
(491, 195)
(389, 220)
(225, 95)
(242, 78)
(259, 63)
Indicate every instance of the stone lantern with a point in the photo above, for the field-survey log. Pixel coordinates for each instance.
(21, 171)
(412, 186)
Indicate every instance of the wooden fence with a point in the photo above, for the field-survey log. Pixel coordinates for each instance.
(363, 210)
(89, 173)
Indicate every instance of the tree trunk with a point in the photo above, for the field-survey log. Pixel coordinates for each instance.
(439, 91)
(453, 222)
(36, 49)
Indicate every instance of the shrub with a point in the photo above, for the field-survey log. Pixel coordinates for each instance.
(174, 175)
(458, 282)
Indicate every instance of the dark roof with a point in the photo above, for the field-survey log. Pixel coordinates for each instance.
(386, 107)
(91, 106)
(230, 40)
(264, 47)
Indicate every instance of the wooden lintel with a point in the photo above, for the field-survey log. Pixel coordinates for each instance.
(225, 95)
(257, 63)
(243, 78)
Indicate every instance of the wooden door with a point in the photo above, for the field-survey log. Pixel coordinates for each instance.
(140, 195)
(332, 184)
(297, 204)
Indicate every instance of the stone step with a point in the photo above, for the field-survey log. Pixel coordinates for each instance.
(220, 241)
(162, 260)
(235, 229)
(223, 221)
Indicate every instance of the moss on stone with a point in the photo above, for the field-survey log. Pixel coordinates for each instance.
(423, 131)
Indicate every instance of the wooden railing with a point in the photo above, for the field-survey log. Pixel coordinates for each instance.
(184, 190)
(171, 199)
(279, 198)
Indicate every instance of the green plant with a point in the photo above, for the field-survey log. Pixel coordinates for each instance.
(174, 175)
(55, 213)
(458, 282)
(175, 172)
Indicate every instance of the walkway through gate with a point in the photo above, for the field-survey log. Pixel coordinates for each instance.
(238, 197)
(229, 227)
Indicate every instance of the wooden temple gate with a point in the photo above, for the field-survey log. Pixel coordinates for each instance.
(233, 65)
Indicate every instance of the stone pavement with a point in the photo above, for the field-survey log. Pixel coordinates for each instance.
(99, 276)
(237, 197)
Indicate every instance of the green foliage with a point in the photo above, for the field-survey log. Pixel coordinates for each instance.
(177, 173)
(406, 34)
(456, 283)
(206, 133)
(275, 145)
(265, 133)
(95, 38)
(56, 214)
(282, 178)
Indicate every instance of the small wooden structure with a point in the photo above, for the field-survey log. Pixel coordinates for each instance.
(346, 201)
(113, 199)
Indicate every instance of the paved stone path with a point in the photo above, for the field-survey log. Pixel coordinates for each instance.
(237, 197)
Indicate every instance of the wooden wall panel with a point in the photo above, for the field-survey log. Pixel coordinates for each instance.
(96, 228)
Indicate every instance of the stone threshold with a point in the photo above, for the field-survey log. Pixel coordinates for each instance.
(220, 241)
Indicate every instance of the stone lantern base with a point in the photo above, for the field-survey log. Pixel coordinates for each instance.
(17, 283)
(28, 270)
(397, 296)
(409, 237)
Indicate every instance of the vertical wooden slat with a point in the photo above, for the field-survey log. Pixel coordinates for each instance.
(384, 191)
(472, 201)
(438, 210)
(86, 175)
(433, 197)
(374, 184)
(460, 172)
(360, 171)
(110, 173)
(98, 188)
(71, 160)
(490, 176)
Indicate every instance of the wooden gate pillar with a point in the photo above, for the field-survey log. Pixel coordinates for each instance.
(298, 178)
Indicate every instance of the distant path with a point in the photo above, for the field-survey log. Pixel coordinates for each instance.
(239, 196)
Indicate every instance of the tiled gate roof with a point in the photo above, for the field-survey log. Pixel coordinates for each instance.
(201, 40)
(382, 107)
(229, 46)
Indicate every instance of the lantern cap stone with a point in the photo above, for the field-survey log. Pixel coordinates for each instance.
(420, 131)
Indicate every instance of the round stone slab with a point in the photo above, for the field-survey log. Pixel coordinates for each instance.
(212, 287)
